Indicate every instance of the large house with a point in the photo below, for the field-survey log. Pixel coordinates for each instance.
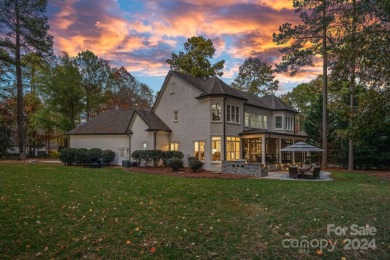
(203, 118)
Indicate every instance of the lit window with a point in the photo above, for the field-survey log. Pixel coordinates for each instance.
(232, 114)
(216, 113)
(278, 122)
(199, 150)
(174, 146)
(232, 148)
(216, 149)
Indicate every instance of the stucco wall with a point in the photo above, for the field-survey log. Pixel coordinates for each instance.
(139, 136)
(104, 142)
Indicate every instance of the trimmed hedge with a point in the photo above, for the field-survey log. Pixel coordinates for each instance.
(175, 163)
(194, 164)
(67, 155)
(172, 154)
(94, 155)
(148, 155)
(81, 156)
(108, 156)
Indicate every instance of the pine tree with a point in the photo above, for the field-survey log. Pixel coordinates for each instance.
(23, 29)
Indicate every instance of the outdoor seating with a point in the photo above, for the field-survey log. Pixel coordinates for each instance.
(293, 172)
(314, 174)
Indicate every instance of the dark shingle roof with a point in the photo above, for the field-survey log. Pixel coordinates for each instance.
(210, 86)
(109, 122)
(215, 86)
(153, 121)
(275, 103)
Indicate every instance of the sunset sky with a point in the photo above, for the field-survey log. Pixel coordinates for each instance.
(141, 35)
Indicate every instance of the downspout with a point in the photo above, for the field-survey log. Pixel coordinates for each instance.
(129, 134)
(155, 139)
(224, 129)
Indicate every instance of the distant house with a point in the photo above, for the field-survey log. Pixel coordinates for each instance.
(203, 118)
(109, 130)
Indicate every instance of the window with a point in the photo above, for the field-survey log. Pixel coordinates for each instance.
(175, 115)
(289, 123)
(232, 148)
(265, 122)
(122, 151)
(172, 88)
(216, 113)
(233, 114)
(216, 149)
(174, 146)
(255, 121)
(278, 122)
(199, 150)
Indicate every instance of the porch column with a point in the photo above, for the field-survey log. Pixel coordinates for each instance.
(280, 147)
(263, 149)
(293, 153)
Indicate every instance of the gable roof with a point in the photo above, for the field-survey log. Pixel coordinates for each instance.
(215, 86)
(109, 122)
(153, 121)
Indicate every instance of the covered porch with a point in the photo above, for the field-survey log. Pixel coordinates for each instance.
(265, 148)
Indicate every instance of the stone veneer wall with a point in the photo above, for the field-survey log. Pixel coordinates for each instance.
(241, 167)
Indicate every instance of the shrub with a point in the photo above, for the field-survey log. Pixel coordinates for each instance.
(108, 156)
(194, 164)
(172, 154)
(94, 155)
(54, 154)
(147, 155)
(67, 155)
(175, 163)
(81, 156)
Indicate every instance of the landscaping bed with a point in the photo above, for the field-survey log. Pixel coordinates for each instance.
(186, 173)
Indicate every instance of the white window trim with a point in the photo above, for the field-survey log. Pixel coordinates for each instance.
(211, 110)
(204, 147)
(211, 149)
(239, 116)
(279, 115)
(289, 123)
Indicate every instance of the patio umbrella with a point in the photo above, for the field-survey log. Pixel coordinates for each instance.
(301, 147)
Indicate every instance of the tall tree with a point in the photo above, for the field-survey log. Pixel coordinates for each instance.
(125, 91)
(305, 42)
(256, 77)
(95, 73)
(23, 29)
(302, 97)
(195, 61)
(62, 93)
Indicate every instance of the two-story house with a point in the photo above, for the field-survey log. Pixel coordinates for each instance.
(214, 122)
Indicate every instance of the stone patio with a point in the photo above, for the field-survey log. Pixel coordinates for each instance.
(282, 175)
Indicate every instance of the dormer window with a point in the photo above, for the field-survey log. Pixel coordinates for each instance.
(216, 113)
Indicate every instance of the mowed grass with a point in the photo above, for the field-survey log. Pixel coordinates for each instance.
(72, 212)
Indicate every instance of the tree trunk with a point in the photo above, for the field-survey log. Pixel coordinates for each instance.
(19, 85)
(324, 92)
(352, 87)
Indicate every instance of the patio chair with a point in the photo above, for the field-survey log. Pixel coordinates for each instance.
(293, 172)
(313, 174)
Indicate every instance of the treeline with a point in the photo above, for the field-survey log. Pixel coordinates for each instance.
(61, 91)
(369, 129)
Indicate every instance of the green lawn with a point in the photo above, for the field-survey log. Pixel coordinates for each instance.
(58, 212)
